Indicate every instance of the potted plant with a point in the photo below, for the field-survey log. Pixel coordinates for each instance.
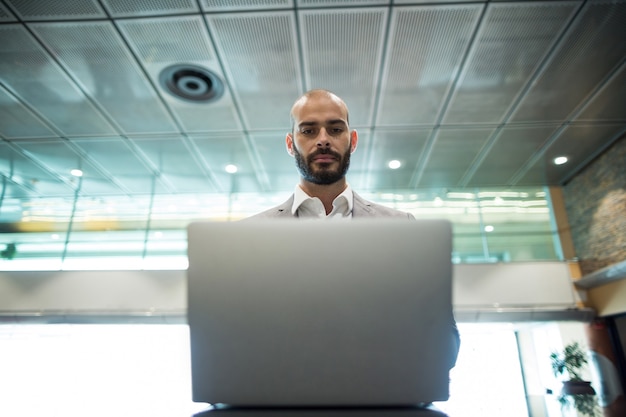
(576, 392)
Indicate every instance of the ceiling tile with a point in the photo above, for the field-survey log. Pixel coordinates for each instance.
(452, 155)
(17, 121)
(278, 164)
(580, 144)
(261, 62)
(160, 43)
(405, 146)
(425, 50)
(60, 158)
(238, 5)
(587, 53)
(127, 8)
(100, 62)
(508, 154)
(57, 10)
(610, 102)
(32, 76)
(118, 158)
(340, 3)
(341, 52)
(176, 163)
(28, 174)
(512, 41)
(5, 14)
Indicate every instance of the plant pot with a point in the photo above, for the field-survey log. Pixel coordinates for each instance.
(577, 388)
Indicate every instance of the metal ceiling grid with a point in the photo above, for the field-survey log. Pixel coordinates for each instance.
(479, 94)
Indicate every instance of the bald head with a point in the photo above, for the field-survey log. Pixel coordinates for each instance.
(317, 95)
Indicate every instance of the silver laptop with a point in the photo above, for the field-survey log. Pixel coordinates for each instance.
(320, 313)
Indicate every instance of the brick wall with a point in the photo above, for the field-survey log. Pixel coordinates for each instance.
(595, 201)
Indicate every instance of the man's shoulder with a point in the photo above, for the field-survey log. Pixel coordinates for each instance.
(365, 208)
(282, 210)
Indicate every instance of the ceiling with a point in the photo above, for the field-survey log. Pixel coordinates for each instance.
(463, 94)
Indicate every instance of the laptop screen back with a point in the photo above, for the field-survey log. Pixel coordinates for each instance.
(320, 313)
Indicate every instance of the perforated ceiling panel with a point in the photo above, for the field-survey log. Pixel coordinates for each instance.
(159, 43)
(426, 49)
(40, 84)
(126, 8)
(592, 48)
(351, 40)
(261, 63)
(5, 14)
(56, 10)
(512, 42)
(234, 5)
(103, 66)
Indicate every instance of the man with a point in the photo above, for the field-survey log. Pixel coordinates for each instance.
(321, 143)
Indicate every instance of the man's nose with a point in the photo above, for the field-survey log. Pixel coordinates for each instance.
(323, 140)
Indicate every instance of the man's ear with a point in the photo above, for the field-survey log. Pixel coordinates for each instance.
(354, 139)
(289, 144)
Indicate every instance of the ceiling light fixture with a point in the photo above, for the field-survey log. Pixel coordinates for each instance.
(489, 228)
(76, 172)
(394, 164)
(560, 160)
(231, 169)
(191, 83)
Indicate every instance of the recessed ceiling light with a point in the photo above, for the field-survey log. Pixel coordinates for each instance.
(560, 160)
(76, 172)
(394, 164)
(230, 168)
(489, 228)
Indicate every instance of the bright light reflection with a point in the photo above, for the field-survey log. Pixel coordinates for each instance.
(394, 164)
(76, 172)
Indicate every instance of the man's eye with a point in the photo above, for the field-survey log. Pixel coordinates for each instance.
(306, 131)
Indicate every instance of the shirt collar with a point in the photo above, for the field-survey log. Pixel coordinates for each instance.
(342, 204)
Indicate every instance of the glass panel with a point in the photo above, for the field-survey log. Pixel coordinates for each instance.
(141, 232)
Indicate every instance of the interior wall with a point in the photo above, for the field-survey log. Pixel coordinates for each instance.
(595, 201)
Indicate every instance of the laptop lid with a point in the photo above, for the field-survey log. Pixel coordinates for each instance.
(320, 313)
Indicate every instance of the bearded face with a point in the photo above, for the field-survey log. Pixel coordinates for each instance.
(322, 173)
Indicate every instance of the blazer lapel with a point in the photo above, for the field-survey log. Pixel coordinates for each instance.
(361, 207)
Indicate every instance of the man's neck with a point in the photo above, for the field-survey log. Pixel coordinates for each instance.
(326, 193)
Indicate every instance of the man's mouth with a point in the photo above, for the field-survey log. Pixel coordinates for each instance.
(325, 158)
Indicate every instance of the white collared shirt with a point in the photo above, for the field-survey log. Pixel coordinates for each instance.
(311, 207)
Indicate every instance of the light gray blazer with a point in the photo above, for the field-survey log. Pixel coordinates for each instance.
(360, 208)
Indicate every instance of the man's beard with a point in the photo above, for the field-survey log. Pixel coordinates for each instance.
(324, 175)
